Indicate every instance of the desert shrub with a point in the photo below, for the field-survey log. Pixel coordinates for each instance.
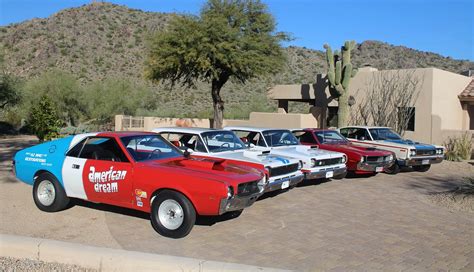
(43, 119)
(458, 148)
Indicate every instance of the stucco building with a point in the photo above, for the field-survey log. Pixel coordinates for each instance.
(444, 107)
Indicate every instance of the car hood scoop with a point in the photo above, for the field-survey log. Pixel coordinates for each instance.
(212, 164)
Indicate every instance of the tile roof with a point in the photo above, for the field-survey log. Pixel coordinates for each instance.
(468, 91)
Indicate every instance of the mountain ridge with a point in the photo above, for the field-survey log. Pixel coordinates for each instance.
(101, 40)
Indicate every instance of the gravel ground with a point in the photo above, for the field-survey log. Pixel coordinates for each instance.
(12, 264)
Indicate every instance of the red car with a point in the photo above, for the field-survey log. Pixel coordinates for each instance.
(360, 160)
(140, 171)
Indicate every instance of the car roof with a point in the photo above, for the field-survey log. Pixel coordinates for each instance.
(123, 133)
(254, 129)
(366, 127)
(313, 129)
(190, 130)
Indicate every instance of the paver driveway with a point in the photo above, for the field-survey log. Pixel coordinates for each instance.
(377, 223)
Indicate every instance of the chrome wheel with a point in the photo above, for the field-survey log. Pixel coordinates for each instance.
(46, 193)
(170, 214)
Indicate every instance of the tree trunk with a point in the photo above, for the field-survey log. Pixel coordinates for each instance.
(217, 102)
(343, 110)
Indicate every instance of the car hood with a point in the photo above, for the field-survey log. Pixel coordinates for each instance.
(206, 168)
(264, 157)
(417, 145)
(359, 150)
(302, 151)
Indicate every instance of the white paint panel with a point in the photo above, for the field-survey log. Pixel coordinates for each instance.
(80, 137)
(72, 177)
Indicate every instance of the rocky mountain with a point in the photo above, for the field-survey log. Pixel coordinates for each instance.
(102, 40)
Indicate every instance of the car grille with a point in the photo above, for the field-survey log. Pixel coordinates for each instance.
(283, 170)
(328, 162)
(248, 188)
(376, 159)
(426, 152)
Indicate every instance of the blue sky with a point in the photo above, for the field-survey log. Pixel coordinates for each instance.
(441, 26)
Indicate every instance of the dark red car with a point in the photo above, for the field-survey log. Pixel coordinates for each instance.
(360, 160)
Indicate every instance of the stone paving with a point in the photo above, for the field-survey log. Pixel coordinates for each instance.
(371, 223)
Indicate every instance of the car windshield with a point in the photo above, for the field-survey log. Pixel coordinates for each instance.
(149, 147)
(219, 141)
(279, 138)
(384, 134)
(330, 137)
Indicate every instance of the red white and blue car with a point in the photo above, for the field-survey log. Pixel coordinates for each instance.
(419, 156)
(140, 171)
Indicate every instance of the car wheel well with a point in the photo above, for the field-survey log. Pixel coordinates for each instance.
(39, 172)
(155, 193)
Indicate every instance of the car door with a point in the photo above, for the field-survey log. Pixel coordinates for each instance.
(99, 171)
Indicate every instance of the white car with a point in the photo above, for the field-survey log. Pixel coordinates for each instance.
(408, 153)
(281, 172)
(317, 163)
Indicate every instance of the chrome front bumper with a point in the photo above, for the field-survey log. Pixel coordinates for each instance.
(420, 161)
(372, 167)
(236, 202)
(323, 173)
(278, 183)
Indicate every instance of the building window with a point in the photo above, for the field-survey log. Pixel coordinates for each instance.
(406, 118)
(331, 120)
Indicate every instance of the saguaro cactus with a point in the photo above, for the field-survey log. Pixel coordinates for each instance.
(339, 74)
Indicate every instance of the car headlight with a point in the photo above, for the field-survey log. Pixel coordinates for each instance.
(390, 157)
(313, 163)
(362, 159)
(300, 165)
(344, 159)
(412, 152)
(439, 151)
(262, 183)
(230, 192)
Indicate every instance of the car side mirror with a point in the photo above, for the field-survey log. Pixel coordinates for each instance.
(251, 145)
(187, 152)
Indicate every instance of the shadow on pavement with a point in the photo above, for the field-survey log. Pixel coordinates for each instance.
(432, 184)
(200, 220)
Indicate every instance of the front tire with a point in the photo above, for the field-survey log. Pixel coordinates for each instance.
(422, 168)
(48, 194)
(392, 170)
(172, 214)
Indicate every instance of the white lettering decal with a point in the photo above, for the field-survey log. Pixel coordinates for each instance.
(103, 179)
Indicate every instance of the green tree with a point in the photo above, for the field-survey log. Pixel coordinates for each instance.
(63, 90)
(43, 120)
(340, 72)
(230, 40)
(9, 91)
(116, 96)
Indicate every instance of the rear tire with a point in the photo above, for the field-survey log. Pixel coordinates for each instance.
(172, 214)
(341, 176)
(422, 168)
(392, 170)
(48, 194)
